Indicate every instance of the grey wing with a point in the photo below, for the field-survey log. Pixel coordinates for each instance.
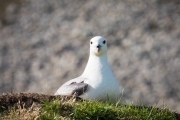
(73, 87)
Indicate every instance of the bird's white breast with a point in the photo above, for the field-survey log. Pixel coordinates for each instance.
(102, 83)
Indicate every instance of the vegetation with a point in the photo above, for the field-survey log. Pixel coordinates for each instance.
(59, 109)
(98, 110)
(85, 110)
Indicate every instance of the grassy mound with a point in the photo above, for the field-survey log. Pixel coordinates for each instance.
(57, 108)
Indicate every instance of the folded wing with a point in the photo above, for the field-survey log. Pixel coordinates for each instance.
(72, 88)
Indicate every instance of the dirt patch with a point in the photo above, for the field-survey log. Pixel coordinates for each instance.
(27, 99)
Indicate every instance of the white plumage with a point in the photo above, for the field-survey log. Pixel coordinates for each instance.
(97, 81)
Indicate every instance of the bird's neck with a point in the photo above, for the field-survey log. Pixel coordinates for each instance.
(96, 65)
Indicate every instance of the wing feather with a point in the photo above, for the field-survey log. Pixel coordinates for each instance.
(73, 88)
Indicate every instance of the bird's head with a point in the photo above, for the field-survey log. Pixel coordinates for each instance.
(98, 46)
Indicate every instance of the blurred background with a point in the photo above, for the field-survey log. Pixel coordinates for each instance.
(44, 43)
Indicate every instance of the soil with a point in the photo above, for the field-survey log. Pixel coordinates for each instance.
(27, 99)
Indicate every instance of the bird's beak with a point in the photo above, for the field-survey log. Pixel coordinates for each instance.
(97, 50)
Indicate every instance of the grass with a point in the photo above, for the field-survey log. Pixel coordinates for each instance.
(58, 109)
(94, 110)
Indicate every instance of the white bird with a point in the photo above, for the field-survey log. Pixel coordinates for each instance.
(97, 81)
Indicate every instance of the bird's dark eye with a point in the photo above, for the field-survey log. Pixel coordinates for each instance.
(104, 42)
(91, 42)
